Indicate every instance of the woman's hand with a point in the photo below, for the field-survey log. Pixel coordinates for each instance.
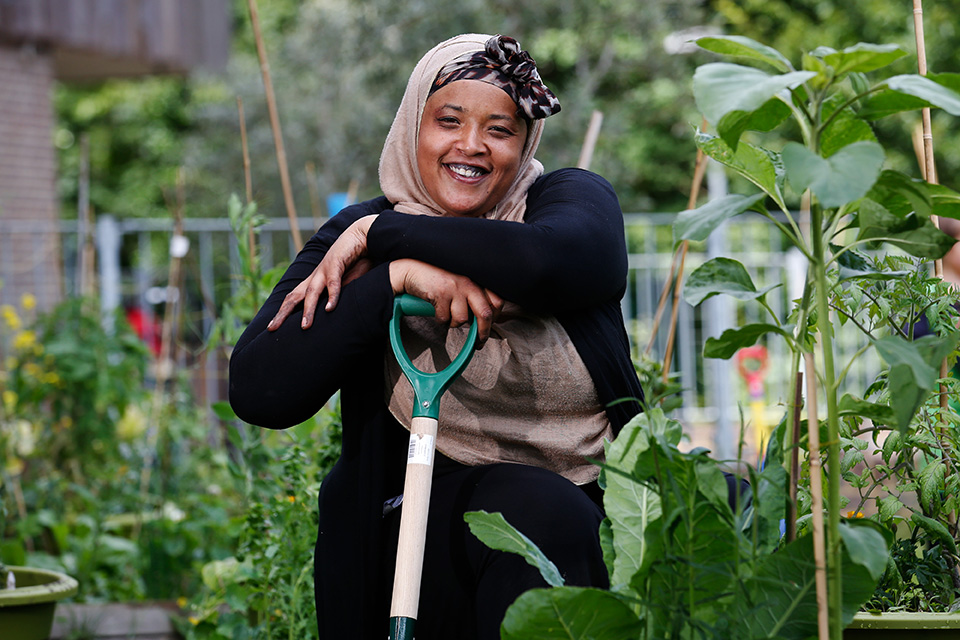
(453, 296)
(343, 262)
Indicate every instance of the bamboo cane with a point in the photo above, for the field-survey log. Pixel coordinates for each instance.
(590, 140)
(680, 254)
(275, 126)
(247, 178)
(929, 168)
(816, 491)
(698, 171)
(794, 470)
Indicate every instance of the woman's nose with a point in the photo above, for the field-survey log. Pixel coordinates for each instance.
(470, 142)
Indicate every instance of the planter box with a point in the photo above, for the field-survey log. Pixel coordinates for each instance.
(901, 626)
(113, 621)
(26, 612)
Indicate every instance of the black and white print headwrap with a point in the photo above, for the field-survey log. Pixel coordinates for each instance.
(503, 64)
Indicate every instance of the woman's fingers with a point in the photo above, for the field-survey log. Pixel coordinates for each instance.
(454, 297)
(290, 302)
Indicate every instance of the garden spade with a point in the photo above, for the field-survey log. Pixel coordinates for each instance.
(427, 389)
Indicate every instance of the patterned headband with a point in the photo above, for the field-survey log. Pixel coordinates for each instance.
(503, 64)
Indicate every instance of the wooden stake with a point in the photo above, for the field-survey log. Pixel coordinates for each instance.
(794, 470)
(698, 171)
(247, 178)
(929, 168)
(590, 141)
(275, 125)
(816, 493)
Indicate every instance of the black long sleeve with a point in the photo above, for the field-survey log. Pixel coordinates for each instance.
(569, 253)
(279, 379)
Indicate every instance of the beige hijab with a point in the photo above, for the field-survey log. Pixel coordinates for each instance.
(526, 396)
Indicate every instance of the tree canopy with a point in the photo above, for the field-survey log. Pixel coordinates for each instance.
(340, 66)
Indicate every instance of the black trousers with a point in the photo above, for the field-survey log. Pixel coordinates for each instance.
(467, 587)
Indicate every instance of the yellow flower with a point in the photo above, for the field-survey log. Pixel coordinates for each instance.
(10, 316)
(181, 602)
(9, 400)
(132, 424)
(24, 340)
(51, 378)
(28, 301)
(194, 620)
(854, 514)
(291, 499)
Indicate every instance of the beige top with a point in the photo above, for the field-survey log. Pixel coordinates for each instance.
(526, 401)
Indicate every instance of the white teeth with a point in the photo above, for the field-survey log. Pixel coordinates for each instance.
(465, 171)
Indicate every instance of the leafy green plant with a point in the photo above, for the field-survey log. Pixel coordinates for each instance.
(906, 478)
(265, 589)
(848, 203)
(681, 562)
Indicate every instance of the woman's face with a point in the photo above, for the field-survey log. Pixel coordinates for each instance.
(469, 146)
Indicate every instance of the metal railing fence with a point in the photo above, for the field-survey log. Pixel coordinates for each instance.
(132, 259)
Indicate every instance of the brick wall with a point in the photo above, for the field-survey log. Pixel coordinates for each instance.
(28, 164)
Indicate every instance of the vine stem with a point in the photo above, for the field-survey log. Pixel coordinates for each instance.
(835, 577)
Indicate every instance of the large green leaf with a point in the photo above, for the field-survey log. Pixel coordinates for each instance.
(876, 413)
(946, 201)
(866, 547)
(721, 276)
(915, 234)
(720, 88)
(758, 165)
(780, 600)
(494, 531)
(765, 118)
(844, 129)
(863, 57)
(732, 340)
(631, 507)
(887, 102)
(697, 224)
(569, 613)
(845, 176)
(746, 48)
(927, 89)
(914, 366)
(701, 546)
(902, 195)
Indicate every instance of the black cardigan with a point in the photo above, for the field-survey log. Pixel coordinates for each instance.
(568, 258)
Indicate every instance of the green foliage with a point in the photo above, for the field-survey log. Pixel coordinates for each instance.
(265, 589)
(681, 562)
(835, 170)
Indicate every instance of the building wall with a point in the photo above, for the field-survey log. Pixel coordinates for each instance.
(28, 167)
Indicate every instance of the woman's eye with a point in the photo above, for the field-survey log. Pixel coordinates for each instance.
(447, 120)
(501, 131)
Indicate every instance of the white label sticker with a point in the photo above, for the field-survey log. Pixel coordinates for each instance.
(421, 449)
(179, 245)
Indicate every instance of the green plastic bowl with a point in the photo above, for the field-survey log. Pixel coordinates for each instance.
(26, 613)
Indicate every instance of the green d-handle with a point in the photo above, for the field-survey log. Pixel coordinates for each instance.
(427, 387)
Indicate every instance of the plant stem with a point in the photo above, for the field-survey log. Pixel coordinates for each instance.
(833, 424)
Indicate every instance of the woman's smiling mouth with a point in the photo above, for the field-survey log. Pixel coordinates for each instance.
(466, 171)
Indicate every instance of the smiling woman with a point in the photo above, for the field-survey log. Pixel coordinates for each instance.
(469, 222)
(469, 147)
